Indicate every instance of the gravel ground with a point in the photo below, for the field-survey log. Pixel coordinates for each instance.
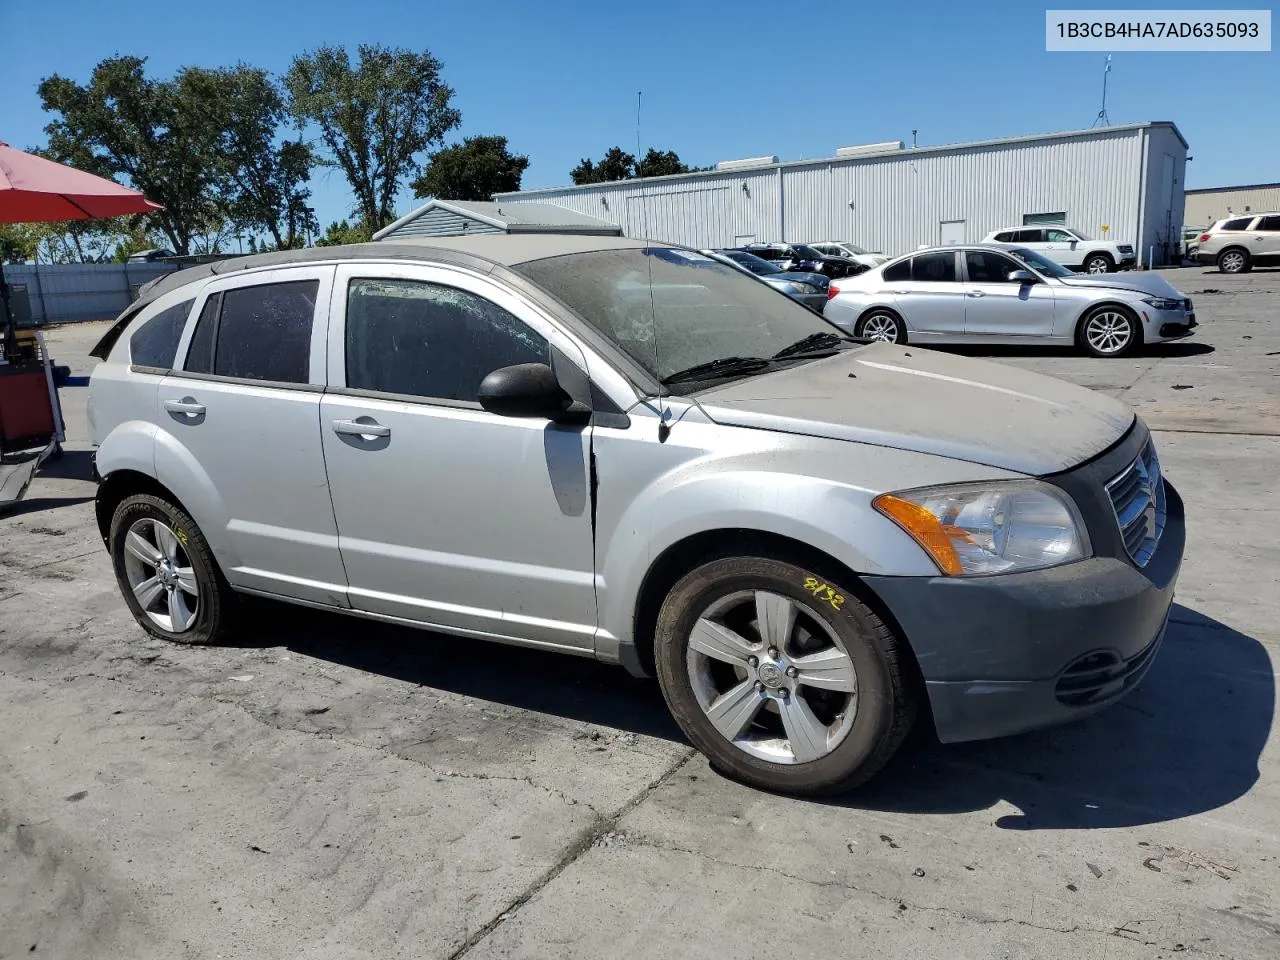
(330, 788)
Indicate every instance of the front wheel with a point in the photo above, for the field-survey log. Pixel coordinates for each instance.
(882, 325)
(167, 573)
(1109, 332)
(781, 677)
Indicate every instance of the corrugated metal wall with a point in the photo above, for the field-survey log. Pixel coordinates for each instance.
(441, 223)
(66, 292)
(1204, 209)
(896, 202)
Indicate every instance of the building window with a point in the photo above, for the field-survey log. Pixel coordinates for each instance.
(1059, 218)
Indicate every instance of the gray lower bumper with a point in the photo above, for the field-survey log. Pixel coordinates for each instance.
(1005, 654)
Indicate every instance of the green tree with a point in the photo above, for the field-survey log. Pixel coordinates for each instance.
(340, 233)
(122, 124)
(475, 169)
(616, 164)
(375, 117)
(659, 163)
(261, 180)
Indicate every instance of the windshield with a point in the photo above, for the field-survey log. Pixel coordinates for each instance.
(1081, 234)
(806, 251)
(695, 311)
(1042, 264)
(854, 248)
(757, 265)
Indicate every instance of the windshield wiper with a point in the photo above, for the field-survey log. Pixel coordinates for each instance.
(822, 340)
(724, 367)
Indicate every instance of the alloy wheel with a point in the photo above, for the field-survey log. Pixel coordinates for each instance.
(1098, 265)
(1108, 331)
(1232, 261)
(161, 576)
(880, 326)
(772, 677)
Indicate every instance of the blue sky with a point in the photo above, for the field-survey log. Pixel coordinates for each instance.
(720, 80)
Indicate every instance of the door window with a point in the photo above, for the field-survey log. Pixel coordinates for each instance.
(987, 267)
(1059, 236)
(261, 332)
(1028, 236)
(155, 343)
(1269, 223)
(934, 268)
(427, 340)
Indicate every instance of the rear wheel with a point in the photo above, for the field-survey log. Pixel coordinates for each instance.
(883, 325)
(1234, 260)
(167, 573)
(1098, 263)
(783, 679)
(1109, 331)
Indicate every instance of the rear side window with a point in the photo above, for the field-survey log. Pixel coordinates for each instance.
(427, 340)
(1268, 223)
(1028, 236)
(1240, 223)
(934, 268)
(155, 343)
(264, 332)
(896, 273)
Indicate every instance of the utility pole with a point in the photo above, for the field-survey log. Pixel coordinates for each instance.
(1102, 120)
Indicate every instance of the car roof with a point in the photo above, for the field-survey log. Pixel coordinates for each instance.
(483, 252)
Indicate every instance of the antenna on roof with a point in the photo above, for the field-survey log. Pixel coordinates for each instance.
(1102, 120)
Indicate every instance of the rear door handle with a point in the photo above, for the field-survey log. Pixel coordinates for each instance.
(976, 293)
(899, 293)
(187, 406)
(365, 427)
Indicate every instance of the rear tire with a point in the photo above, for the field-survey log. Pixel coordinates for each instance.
(1234, 260)
(828, 726)
(167, 573)
(1099, 263)
(883, 325)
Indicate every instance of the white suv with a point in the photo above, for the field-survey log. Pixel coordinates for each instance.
(1235, 245)
(1069, 247)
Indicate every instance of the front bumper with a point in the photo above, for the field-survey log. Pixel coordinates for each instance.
(1005, 654)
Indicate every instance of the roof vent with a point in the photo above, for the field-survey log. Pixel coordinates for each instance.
(887, 146)
(743, 164)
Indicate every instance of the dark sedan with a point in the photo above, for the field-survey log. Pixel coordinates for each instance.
(802, 257)
(807, 288)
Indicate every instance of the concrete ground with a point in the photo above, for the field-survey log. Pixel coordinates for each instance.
(329, 788)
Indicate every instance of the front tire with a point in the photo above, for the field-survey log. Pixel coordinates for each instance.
(1109, 331)
(1099, 263)
(882, 325)
(167, 573)
(781, 677)
(1234, 260)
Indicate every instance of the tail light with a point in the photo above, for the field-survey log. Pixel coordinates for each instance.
(1204, 238)
(832, 291)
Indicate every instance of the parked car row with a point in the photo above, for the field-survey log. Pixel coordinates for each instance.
(1007, 294)
(1237, 244)
(634, 452)
(834, 261)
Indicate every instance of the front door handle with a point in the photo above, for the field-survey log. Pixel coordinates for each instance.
(187, 407)
(899, 293)
(976, 293)
(364, 427)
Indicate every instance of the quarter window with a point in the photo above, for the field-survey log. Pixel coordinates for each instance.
(898, 272)
(427, 340)
(987, 267)
(155, 343)
(1241, 223)
(1005, 237)
(934, 268)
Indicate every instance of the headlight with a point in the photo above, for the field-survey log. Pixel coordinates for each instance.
(1162, 303)
(981, 528)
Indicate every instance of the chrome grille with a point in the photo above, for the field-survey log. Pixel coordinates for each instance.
(1137, 497)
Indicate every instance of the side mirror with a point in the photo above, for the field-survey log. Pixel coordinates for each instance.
(1022, 276)
(529, 390)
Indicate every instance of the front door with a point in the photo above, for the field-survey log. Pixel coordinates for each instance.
(1063, 247)
(1265, 244)
(996, 306)
(447, 514)
(932, 300)
(239, 438)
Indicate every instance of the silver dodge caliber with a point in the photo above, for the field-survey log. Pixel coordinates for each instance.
(633, 452)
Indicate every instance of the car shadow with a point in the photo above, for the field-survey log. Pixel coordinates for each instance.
(72, 465)
(1186, 741)
(39, 504)
(1175, 348)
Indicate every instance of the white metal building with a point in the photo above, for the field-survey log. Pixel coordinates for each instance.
(1122, 183)
(1206, 207)
(457, 218)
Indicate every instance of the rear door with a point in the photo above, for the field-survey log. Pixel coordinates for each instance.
(448, 514)
(996, 306)
(239, 437)
(1266, 239)
(932, 299)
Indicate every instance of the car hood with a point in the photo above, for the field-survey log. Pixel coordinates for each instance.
(1151, 284)
(937, 403)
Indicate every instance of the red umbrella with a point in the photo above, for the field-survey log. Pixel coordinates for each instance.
(36, 190)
